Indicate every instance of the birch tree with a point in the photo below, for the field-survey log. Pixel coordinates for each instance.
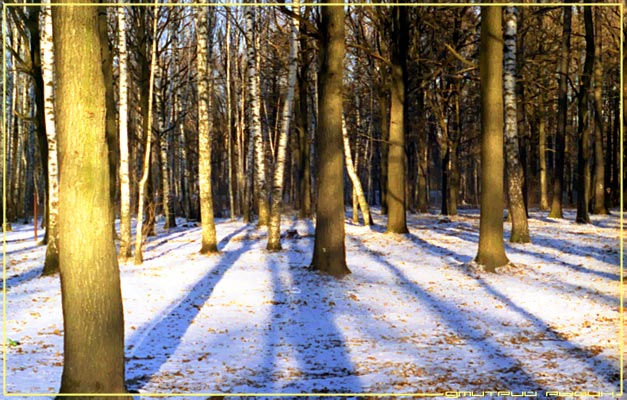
(274, 228)
(352, 173)
(51, 263)
(125, 188)
(209, 240)
(520, 226)
(254, 118)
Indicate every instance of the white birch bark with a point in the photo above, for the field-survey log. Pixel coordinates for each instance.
(352, 173)
(209, 242)
(254, 119)
(51, 264)
(274, 228)
(125, 187)
(520, 227)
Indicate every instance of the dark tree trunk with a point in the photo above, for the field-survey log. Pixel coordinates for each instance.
(329, 254)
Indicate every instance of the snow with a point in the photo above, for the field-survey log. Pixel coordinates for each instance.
(415, 316)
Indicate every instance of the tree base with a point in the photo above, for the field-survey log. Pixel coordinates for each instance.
(209, 249)
(491, 262)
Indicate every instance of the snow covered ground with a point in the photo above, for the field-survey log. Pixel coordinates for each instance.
(415, 316)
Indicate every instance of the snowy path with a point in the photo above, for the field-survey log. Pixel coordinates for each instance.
(415, 315)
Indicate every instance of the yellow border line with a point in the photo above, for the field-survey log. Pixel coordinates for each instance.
(116, 5)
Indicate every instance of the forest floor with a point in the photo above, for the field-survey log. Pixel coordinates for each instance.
(415, 316)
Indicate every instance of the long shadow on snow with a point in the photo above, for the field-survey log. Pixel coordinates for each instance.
(163, 335)
(324, 365)
(588, 357)
(24, 277)
(459, 321)
(473, 237)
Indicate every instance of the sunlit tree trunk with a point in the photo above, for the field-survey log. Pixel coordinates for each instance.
(90, 279)
(520, 227)
(274, 228)
(542, 148)
(329, 254)
(562, 104)
(51, 263)
(397, 159)
(229, 120)
(358, 192)
(125, 188)
(254, 118)
(491, 253)
(209, 239)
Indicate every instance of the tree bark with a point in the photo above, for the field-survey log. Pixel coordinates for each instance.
(583, 126)
(397, 158)
(562, 104)
(125, 191)
(274, 228)
(51, 263)
(491, 252)
(329, 254)
(518, 212)
(600, 193)
(90, 279)
(209, 240)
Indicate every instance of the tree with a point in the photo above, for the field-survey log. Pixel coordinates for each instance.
(209, 240)
(518, 212)
(358, 191)
(491, 252)
(397, 159)
(125, 192)
(274, 227)
(329, 254)
(583, 125)
(51, 264)
(562, 104)
(600, 193)
(90, 277)
(254, 119)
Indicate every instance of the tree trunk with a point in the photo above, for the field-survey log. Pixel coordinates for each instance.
(143, 183)
(255, 118)
(544, 198)
(518, 213)
(274, 228)
(51, 263)
(562, 104)
(209, 240)
(491, 252)
(229, 121)
(397, 158)
(329, 254)
(125, 192)
(423, 151)
(583, 126)
(358, 192)
(304, 172)
(600, 194)
(90, 277)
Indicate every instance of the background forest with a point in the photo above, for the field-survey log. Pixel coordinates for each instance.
(216, 115)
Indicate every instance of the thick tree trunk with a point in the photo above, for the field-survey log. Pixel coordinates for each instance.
(274, 228)
(90, 278)
(562, 104)
(518, 213)
(304, 171)
(209, 240)
(397, 158)
(583, 126)
(329, 254)
(491, 252)
(51, 263)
